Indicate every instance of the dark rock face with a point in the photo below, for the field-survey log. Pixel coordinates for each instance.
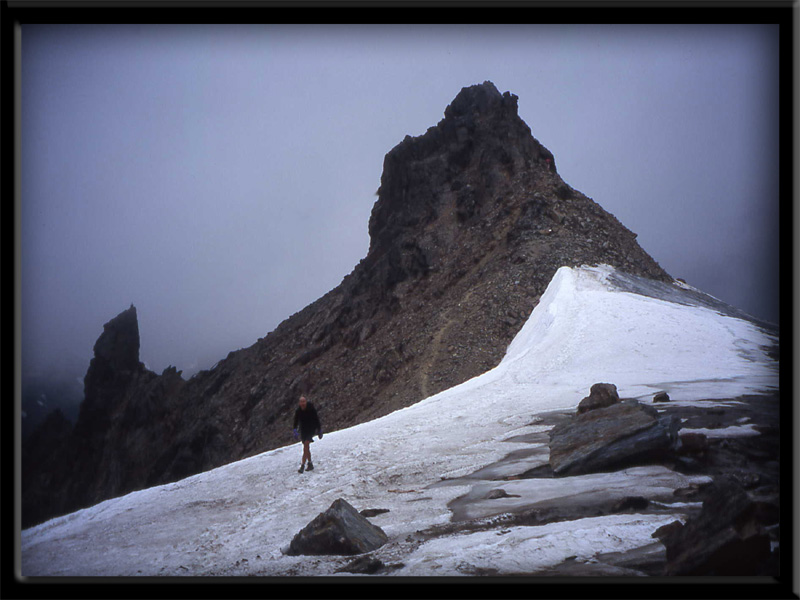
(116, 352)
(471, 223)
(338, 530)
(111, 372)
(625, 432)
(692, 444)
(728, 537)
(43, 469)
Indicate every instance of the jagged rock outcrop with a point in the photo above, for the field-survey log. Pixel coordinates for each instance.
(727, 509)
(471, 222)
(111, 373)
(729, 536)
(125, 422)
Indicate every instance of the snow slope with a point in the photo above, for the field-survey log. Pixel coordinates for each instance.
(235, 520)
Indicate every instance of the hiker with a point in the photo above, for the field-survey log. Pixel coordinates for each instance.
(307, 420)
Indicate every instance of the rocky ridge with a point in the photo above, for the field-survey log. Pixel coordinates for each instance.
(471, 222)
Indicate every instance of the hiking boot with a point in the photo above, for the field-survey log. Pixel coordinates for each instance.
(310, 466)
(301, 469)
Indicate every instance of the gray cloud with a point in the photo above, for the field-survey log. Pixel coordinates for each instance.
(221, 177)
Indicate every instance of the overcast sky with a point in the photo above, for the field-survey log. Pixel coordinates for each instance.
(221, 178)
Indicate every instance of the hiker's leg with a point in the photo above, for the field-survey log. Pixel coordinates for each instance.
(306, 451)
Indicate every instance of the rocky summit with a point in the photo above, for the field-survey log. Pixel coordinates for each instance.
(471, 222)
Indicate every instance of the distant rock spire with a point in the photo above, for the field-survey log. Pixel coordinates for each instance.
(116, 352)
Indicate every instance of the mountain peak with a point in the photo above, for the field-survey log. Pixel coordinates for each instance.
(480, 99)
(479, 145)
(471, 223)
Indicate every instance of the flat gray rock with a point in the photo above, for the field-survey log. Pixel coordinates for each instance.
(604, 438)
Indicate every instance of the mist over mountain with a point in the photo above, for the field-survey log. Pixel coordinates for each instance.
(471, 223)
(41, 395)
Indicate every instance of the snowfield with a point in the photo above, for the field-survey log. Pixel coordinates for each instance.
(235, 520)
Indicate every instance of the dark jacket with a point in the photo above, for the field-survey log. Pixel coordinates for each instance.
(307, 420)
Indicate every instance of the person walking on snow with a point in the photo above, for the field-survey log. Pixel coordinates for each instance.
(306, 424)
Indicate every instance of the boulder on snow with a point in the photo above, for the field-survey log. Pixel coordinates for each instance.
(500, 493)
(661, 397)
(600, 396)
(338, 530)
(621, 434)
